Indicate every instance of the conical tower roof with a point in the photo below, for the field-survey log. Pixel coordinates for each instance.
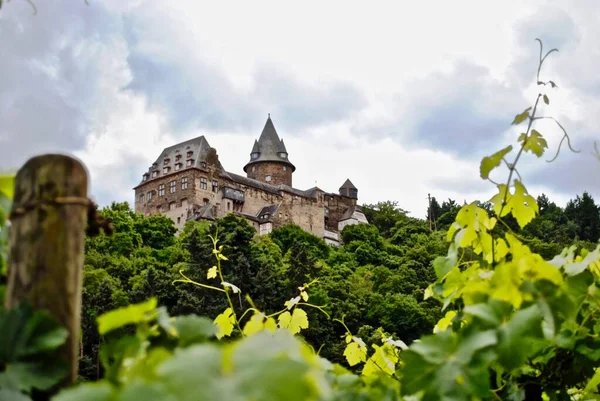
(269, 147)
(348, 185)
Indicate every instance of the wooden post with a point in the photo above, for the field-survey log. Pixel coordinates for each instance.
(46, 243)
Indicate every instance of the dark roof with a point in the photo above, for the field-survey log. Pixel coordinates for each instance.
(198, 146)
(267, 213)
(270, 209)
(269, 147)
(274, 189)
(348, 185)
(204, 212)
(350, 212)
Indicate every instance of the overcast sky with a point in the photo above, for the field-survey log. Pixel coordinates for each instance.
(402, 97)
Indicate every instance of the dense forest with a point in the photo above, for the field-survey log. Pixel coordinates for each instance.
(496, 300)
(376, 279)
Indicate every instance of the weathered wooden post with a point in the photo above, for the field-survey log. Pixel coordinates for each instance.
(46, 242)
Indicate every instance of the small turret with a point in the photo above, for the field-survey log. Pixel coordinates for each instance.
(349, 190)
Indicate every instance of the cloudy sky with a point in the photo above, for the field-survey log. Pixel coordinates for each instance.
(402, 97)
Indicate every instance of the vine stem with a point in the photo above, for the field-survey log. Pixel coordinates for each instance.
(226, 290)
(189, 281)
(518, 157)
(316, 307)
(343, 324)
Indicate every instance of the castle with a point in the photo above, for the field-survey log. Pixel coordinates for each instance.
(187, 182)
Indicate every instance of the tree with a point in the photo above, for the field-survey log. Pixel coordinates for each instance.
(434, 212)
(584, 212)
(384, 215)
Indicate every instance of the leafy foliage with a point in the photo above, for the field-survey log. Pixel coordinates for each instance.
(492, 300)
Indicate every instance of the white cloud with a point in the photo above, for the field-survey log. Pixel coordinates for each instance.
(369, 92)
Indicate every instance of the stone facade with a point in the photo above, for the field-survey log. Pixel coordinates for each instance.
(271, 172)
(187, 182)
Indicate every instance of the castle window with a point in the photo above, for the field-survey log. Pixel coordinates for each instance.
(254, 155)
(203, 184)
(184, 183)
(161, 190)
(189, 154)
(178, 157)
(283, 155)
(253, 169)
(165, 162)
(228, 205)
(203, 164)
(141, 198)
(154, 174)
(172, 205)
(284, 168)
(177, 166)
(172, 186)
(189, 163)
(206, 201)
(150, 196)
(215, 186)
(159, 208)
(145, 177)
(268, 178)
(179, 220)
(166, 170)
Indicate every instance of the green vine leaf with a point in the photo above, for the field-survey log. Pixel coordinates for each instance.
(355, 352)
(384, 360)
(519, 118)
(7, 185)
(516, 338)
(489, 163)
(534, 143)
(212, 272)
(524, 207)
(224, 323)
(446, 366)
(132, 314)
(546, 100)
(192, 329)
(295, 322)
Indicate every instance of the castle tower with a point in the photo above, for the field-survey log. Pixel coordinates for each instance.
(349, 190)
(269, 159)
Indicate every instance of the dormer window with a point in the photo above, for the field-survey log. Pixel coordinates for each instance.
(153, 165)
(165, 162)
(177, 166)
(145, 177)
(203, 164)
(190, 153)
(166, 170)
(177, 158)
(154, 174)
(254, 155)
(189, 163)
(283, 155)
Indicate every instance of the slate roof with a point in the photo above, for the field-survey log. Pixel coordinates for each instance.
(274, 189)
(198, 146)
(348, 185)
(204, 212)
(268, 211)
(269, 147)
(353, 212)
